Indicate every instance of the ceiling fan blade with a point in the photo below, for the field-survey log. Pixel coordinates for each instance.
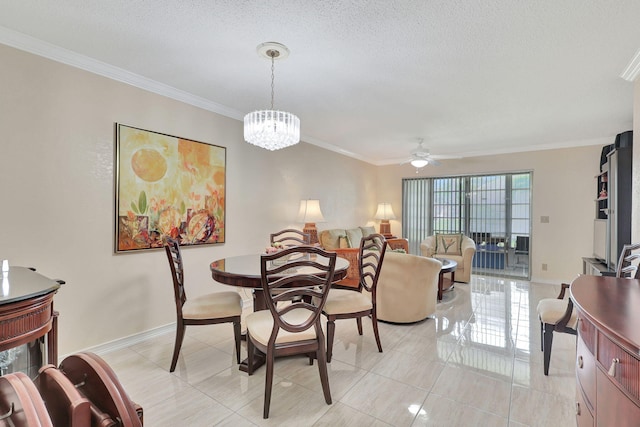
(444, 157)
(434, 162)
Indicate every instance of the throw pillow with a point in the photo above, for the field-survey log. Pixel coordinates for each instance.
(448, 244)
(330, 239)
(366, 231)
(344, 242)
(354, 235)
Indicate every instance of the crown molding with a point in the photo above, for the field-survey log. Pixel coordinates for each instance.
(47, 50)
(512, 150)
(44, 49)
(55, 53)
(633, 69)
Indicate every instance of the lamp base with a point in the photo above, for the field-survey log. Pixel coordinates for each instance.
(312, 231)
(385, 228)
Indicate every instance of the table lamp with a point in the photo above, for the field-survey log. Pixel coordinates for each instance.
(385, 213)
(310, 214)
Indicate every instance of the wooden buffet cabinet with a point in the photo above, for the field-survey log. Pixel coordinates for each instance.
(608, 351)
(26, 310)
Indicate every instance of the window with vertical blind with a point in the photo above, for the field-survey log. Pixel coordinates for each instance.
(494, 210)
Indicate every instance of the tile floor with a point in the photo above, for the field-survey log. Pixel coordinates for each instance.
(477, 362)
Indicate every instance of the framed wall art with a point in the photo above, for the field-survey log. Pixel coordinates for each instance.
(167, 186)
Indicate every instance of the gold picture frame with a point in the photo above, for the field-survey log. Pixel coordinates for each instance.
(167, 186)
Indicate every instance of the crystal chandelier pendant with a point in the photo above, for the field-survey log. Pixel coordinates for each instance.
(272, 129)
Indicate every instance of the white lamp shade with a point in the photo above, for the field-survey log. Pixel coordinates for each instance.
(385, 211)
(310, 211)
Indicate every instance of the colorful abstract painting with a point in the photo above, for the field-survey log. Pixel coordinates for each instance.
(167, 186)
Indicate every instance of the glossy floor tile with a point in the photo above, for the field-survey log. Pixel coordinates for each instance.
(476, 362)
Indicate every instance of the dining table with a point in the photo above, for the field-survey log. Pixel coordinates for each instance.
(244, 271)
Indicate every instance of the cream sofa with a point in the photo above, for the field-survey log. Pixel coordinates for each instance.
(407, 287)
(468, 249)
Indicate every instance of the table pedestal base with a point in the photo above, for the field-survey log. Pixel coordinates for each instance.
(259, 359)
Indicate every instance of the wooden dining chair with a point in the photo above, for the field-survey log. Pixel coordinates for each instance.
(558, 315)
(296, 276)
(290, 237)
(360, 302)
(209, 309)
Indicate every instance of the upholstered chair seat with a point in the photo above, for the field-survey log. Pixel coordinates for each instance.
(261, 325)
(551, 310)
(344, 301)
(219, 304)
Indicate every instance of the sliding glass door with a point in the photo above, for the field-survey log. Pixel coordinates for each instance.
(494, 210)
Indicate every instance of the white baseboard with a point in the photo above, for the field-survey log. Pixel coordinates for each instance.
(535, 280)
(128, 341)
(142, 336)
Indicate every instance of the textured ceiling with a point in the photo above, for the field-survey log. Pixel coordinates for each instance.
(367, 78)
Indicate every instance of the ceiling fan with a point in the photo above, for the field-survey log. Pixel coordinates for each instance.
(420, 157)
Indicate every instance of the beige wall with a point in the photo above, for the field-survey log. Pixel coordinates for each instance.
(563, 189)
(56, 170)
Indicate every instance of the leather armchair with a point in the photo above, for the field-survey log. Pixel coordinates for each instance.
(463, 271)
(407, 288)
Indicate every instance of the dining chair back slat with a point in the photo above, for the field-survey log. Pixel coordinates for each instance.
(290, 237)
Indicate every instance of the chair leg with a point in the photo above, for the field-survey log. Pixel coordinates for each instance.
(359, 322)
(548, 340)
(237, 336)
(331, 329)
(268, 383)
(374, 321)
(541, 336)
(250, 354)
(176, 348)
(322, 368)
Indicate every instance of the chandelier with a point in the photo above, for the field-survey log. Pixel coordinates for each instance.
(272, 129)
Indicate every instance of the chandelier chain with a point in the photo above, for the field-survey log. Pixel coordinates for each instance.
(273, 56)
